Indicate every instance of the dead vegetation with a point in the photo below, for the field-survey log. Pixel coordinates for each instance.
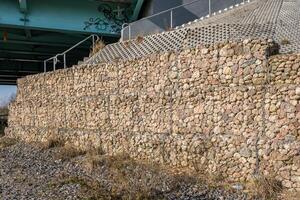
(266, 188)
(99, 45)
(52, 142)
(143, 180)
(3, 119)
(93, 190)
(2, 128)
(63, 151)
(285, 41)
(68, 152)
(131, 179)
(89, 189)
(7, 142)
(125, 177)
(139, 39)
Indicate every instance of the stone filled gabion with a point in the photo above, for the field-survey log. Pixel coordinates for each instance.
(226, 108)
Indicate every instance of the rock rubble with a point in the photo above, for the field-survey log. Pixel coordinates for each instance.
(227, 108)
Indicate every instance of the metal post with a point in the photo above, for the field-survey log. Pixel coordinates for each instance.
(171, 19)
(122, 34)
(54, 63)
(123, 29)
(209, 7)
(93, 38)
(65, 64)
(45, 66)
(129, 31)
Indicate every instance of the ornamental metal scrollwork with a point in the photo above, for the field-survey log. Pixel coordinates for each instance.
(113, 19)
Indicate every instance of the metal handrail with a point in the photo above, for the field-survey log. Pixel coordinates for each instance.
(166, 11)
(55, 58)
(122, 30)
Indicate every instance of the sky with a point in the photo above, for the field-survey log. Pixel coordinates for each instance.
(5, 93)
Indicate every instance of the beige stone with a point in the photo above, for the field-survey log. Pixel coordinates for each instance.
(217, 106)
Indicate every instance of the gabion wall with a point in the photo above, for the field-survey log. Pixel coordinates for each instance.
(225, 108)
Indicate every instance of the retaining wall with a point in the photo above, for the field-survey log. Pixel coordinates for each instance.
(226, 108)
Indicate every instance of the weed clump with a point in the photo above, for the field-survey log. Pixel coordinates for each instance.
(53, 142)
(285, 42)
(67, 152)
(7, 142)
(99, 45)
(266, 188)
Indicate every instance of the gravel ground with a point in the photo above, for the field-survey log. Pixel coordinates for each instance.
(28, 171)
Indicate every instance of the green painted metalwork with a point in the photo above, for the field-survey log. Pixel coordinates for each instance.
(33, 30)
(137, 9)
(105, 18)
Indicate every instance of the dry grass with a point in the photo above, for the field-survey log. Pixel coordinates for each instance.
(93, 158)
(2, 128)
(7, 142)
(68, 152)
(267, 188)
(52, 142)
(3, 122)
(126, 44)
(121, 189)
(98, 46)
(89, 189)
(285, 42)
(128, 176)
(97, 151)
(4, 110)
(212, 180)
(131, 176)
(139, 39)
(113, 163)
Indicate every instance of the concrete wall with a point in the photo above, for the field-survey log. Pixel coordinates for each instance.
(225, 108)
